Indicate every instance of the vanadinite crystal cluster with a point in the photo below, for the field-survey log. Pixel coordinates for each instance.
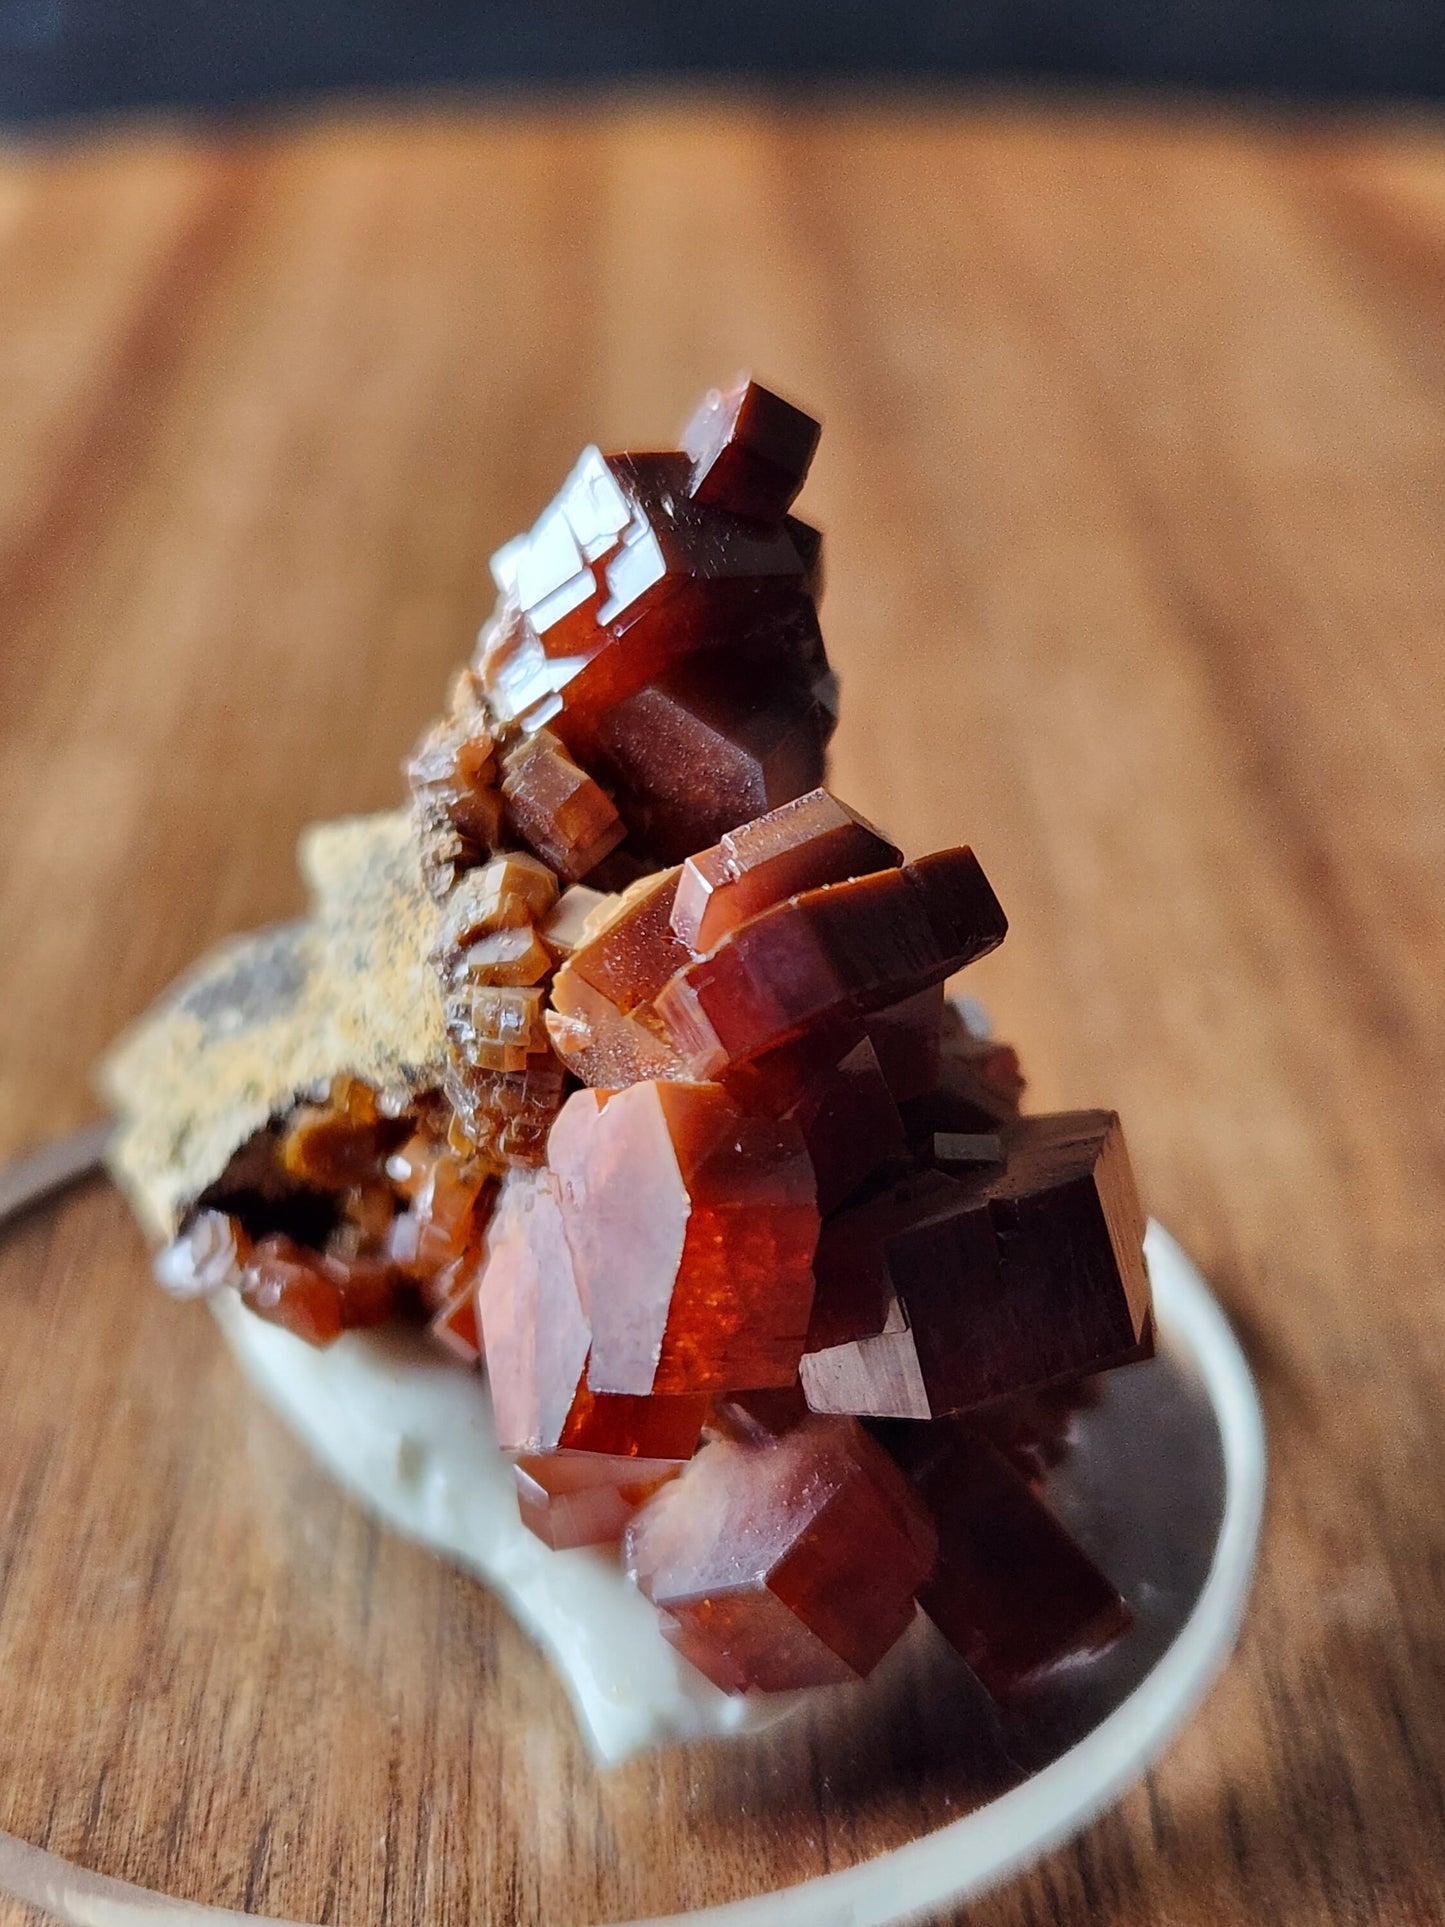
(774, 1286)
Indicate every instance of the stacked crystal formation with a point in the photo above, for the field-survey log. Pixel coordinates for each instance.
(774, 1284)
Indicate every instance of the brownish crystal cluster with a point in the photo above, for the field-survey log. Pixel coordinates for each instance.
(774, 1284)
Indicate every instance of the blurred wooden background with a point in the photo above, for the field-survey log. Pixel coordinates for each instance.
(1133, 481)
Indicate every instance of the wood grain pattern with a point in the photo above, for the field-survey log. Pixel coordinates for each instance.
(1134, 484)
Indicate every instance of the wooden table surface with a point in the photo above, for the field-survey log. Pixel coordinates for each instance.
(1133, 481)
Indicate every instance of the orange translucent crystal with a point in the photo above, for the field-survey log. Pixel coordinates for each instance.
(784, 1561)
(444, 1194)
(341, 1141)
(601, 1023)
(692, 1227)
(457, 806)
(456, 1326)
(556, 808)
(510, 892)
(534, 1328)
(505, 1116)
(497, 1027)
(313, 1295)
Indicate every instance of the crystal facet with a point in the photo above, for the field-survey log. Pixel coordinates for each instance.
(557, 809)
(1012, 1591)
(692, 1228)
(1008, 1279)
(750, 450)
(811, 841)
(695, 753)
(830, 955)
(789, 1561)
(585, 1498)
(602, 1023)
(536, 1335)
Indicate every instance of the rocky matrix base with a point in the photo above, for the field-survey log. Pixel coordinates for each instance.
(624, 1064)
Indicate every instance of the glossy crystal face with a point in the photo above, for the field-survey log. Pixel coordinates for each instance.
(785, 1560)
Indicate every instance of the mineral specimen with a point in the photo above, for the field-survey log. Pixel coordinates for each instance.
(692, 1157)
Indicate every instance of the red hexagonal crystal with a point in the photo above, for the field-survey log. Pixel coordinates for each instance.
(788, 1561)
(313, 1295)
(692, 1226)
(830, 955)
(838, 1097)
(908, 1039)
(806, 843)
(854, 1294)
(1012, 1591)
(750, 450)
(1009, 1279)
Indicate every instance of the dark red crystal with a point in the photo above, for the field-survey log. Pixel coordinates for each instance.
(696, 752)
(1012, 1591)
(624, 577)
(830, 956)
(1007, 1279)
(791, 1560)
(750, 450)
